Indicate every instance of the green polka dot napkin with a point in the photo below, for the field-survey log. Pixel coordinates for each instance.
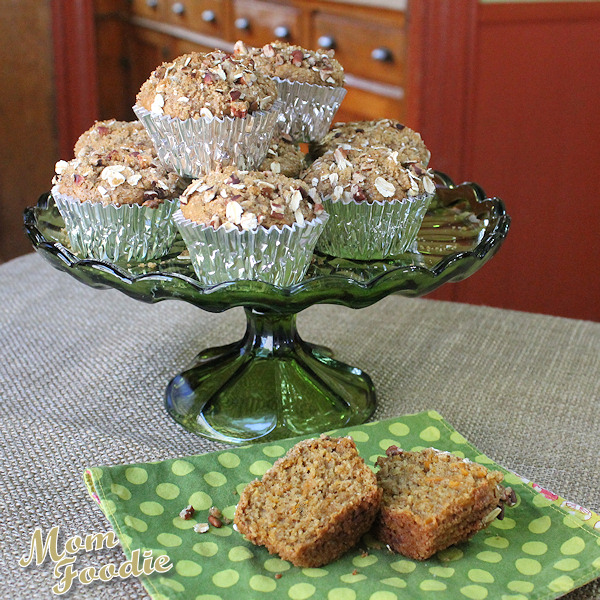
(543, 548)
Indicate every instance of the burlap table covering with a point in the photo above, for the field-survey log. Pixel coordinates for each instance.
(83, 373)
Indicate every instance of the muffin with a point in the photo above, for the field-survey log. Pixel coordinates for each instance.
(313, 504)
(204, 111)
(284, 156)
(432, 500)
(106, 135)
(384, 133)
(376, 202)
(117, 204)
(310, 85)
(249, 225)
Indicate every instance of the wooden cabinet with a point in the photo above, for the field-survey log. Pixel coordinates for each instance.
(370, 42)
(208, 17)
(258, 23)
(368, 45)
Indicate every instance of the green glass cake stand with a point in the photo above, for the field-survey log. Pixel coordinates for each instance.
(272, 384)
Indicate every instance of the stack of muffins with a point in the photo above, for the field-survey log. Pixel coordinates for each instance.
(216, 155)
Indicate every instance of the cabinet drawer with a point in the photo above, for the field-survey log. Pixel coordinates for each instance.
(368, 46)
(203, 16)
(360, 105)
(258, 23)
(149, 9)
(147, 50)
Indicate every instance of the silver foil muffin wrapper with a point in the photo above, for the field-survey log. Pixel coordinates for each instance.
(194, 147)
(119, 234)
(277, 256)
(308, 109)
(372, 231)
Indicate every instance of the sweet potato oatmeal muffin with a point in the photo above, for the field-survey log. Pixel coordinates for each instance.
(310, 85)
(117, 204)
(432, 500)
(206, 111)
(249, 225)
(313, 505)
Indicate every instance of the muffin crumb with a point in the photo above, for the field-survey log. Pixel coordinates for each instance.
(313, 505)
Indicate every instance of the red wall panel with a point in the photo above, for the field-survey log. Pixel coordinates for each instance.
(531, 135)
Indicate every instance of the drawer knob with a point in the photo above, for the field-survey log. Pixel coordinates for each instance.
(151, 3)
(242, 23)
(208, 16)
(178, 8)
(281, 31)
(382, 54)
(327, 42)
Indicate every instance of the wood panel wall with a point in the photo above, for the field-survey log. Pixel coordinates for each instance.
(29, 147)
(513, 105)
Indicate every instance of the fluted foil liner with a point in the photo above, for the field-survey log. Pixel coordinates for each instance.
(277, 256)
(194, 147)
(372, 231)
(308, 109)
(119, 234)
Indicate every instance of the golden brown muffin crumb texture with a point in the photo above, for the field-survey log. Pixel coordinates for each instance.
(313, 505)
(118, 176)
(292, 62)
(284, 156)
(109, 134)
(367, 175)
(432, 500)
(384, 133)
(212, 84)
(248, 199)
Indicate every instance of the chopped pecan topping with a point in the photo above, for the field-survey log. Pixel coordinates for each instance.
(215, 522)
(297, 57)
(239, 109)
(187, 513)
(394, 451)
(359, 196)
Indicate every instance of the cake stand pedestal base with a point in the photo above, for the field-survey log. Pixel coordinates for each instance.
(269, 385)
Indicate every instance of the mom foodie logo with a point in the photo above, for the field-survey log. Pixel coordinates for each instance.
(140, 563)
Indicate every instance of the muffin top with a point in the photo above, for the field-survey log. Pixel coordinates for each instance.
(248, 199)
(280, 59)
(119, 177)
(214, 84)
(387, 133)
(371, 175)
(284, 156)
(104, 136)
